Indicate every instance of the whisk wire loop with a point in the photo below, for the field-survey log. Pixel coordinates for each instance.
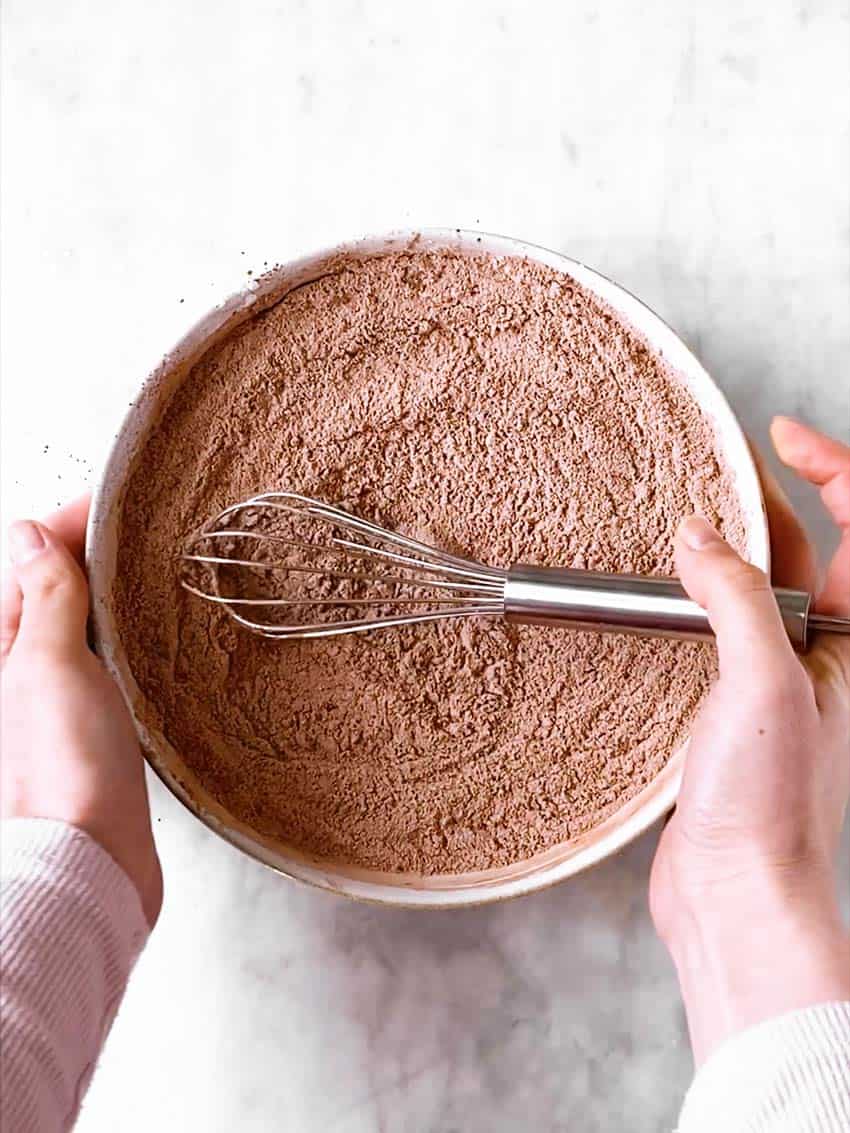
(450, 586)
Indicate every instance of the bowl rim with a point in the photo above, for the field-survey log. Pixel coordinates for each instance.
(443, 891)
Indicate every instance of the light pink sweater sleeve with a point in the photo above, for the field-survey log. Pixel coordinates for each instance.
(71, 927)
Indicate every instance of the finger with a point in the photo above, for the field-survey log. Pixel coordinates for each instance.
(815, 457)
(834, 598)
(55, 595)
(825, 462)
(10, 614)
(835, 494)
(69, 523)
(736, 596)
(793, 561)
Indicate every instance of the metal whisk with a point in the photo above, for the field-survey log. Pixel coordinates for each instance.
(286, 566)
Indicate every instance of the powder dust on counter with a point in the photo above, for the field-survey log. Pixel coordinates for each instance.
(487, 405)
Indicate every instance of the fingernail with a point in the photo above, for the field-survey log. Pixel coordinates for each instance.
(697, 533)
(25, 541)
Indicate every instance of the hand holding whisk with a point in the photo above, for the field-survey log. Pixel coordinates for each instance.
(286, 566)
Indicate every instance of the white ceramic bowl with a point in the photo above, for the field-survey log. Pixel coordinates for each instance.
(395, 889)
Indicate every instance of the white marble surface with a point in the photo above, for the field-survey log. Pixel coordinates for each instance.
(153, 154)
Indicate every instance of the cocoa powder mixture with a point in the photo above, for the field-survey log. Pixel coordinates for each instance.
(487, 405)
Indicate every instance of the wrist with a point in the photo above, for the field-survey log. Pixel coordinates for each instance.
(134, 851)
(744, 955)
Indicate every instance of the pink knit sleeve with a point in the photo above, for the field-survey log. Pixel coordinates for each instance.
(71, 927)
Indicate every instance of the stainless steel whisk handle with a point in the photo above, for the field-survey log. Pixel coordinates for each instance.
(635, 604)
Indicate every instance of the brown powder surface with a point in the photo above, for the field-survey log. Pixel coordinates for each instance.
(487, 405)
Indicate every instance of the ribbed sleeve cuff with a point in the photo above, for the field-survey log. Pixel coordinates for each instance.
(71, 928)
(49, 859)
(787, 1074)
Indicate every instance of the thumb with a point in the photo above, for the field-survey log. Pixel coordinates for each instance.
(736, 596)
(54, 590)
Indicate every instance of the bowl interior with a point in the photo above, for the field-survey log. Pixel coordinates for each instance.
(401, 889)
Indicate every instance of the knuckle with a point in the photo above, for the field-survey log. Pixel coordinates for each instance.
(840, 485)
(53, 584)
(745, 578)
(57, 586)
(835, 494)
(735, 579)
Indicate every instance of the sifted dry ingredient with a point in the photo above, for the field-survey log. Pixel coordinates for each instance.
(489, 405)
